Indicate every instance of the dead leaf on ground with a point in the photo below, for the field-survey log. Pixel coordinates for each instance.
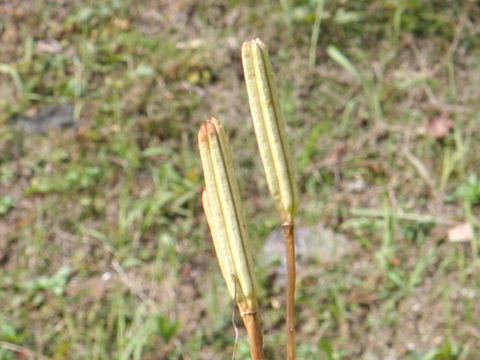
(339, 149)
(10, 34)
(361, 296)
(439, 127)
(460, 233)
(51, 46)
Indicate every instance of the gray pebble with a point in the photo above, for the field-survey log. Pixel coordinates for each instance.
(313, 245)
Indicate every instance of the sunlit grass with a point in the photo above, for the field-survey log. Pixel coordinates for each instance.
(116, 201)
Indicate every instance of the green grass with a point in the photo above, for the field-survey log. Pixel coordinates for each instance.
(104, 248)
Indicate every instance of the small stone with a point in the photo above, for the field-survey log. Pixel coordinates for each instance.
(106, 276)
(313, 245)
(49, 117)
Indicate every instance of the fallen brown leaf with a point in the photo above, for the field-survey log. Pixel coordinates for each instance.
(439, 127)
(51, 46)
(460, 233)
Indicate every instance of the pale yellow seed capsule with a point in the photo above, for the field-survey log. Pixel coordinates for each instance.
(220, 242)
(225, 214)
(270, 127)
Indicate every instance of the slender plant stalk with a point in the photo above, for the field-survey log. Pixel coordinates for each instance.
(276, 158)
(223, 208)
(253, 325)
(288, 234)
(312, 55)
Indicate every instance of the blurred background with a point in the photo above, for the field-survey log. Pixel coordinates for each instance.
(104, 248)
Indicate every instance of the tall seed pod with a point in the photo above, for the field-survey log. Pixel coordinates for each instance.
(269, 127)
(225, 216)
(276, 158)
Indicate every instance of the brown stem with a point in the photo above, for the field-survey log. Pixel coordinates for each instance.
(252, 322)
(288, 233)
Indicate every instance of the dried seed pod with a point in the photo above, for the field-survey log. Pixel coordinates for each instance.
(270, 127)
(224, 210)
(225, 215)
(276, 157)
